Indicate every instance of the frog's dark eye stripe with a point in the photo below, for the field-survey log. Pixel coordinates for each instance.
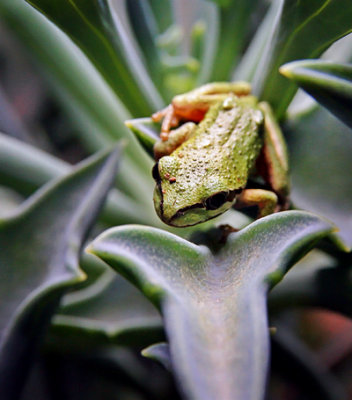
(155, 172)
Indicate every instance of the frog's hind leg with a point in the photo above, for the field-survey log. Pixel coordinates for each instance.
(265, 200)
(273, 162)
(193, 105)
(238, 88)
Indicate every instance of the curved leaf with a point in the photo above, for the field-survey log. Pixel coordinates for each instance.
(146, 131)
(320, 149)
(9, 201)
(163, 12)
(94, 110)
(234, 27)
(39, 249)
(26, 168)
(109, 311)
(90, 24)
(214, 306)
(302, 29)
(146, 31)
(330, 84)
(159, 352)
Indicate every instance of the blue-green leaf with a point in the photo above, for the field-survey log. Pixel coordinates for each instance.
(301, 29)
(110, 310)
(39, 252)
(214, 305)
(320, 149)
(146, 131)
(25, 168)
(91, 25)
(330, 84)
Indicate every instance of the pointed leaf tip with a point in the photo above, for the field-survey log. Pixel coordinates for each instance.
(146, 132)
(329, 83)
(39, 253)
(159, 352)
(214, 305)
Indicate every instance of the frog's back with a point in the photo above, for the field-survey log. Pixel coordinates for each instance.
(225, 145)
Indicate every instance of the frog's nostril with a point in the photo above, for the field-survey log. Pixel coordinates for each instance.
(216, 200)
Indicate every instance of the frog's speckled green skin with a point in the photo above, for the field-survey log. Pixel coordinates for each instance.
(218, 158)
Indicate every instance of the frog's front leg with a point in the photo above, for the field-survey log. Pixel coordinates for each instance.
(175, 139)
(274, 156)
(265, 200)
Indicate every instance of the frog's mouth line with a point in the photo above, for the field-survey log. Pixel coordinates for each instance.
(209, 208)
(220, 201)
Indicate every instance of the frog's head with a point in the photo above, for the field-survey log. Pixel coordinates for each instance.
(182, 201)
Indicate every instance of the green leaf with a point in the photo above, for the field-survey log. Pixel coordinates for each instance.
(247, 67)
(109, 311)
(163, 12)
(146, 131)
(94, 110)
(159, 352)
(214, 305)
(9, 201)
(223, 3)
(99, 33)
(146, 31)
(320, 149)
(302, 29)
(26, 168)
(330, 84)
(39, 251)
(234, 28)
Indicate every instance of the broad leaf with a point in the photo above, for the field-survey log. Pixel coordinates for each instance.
(39, 251)
(320, 161)
(330, 84)
(26, 168)
(109, 311)
(214, 305)
(91, 25)
(93, 109)
(301, 29)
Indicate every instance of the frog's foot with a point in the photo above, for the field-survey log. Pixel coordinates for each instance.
(265, 200)
(170, 120)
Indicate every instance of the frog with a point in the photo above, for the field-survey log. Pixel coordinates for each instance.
(219, 147)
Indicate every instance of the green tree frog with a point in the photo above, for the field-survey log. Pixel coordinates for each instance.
(214, 140)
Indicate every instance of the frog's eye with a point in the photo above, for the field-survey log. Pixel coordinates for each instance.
(155, 172)
(216, 200)
(219, 199)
